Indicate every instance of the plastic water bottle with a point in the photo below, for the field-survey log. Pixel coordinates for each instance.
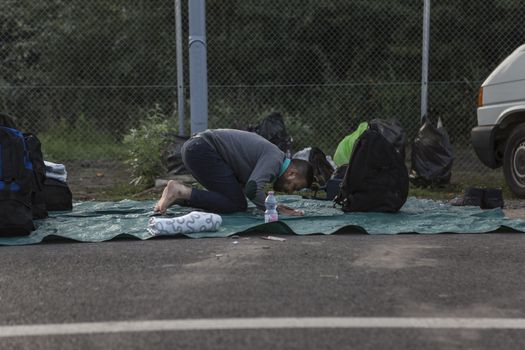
(271, 215)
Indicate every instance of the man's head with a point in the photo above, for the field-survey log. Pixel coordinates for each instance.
(299, 174)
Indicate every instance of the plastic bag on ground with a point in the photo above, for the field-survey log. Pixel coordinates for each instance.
(273, 129)
(432, 156)
(172, 157)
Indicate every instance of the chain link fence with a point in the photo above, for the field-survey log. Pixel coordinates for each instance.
(82, 74)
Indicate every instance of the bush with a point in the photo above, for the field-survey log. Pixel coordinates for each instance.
(145, 144)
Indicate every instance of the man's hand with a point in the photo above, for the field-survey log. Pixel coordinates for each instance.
(283, 209)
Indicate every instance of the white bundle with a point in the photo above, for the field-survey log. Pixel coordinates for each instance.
(56, 171)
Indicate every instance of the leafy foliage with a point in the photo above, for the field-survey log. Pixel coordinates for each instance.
(145, 144)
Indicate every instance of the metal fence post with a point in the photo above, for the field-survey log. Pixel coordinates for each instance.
(424, 59)
(180, 66)
(198, 66)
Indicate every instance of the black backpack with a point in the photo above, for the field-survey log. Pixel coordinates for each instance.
(16, 184)
(8, 121)
(38, 200)
(322, 169)
(376, 179)
(58, 196)
(34, 148)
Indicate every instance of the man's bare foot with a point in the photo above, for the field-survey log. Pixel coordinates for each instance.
(174, 190)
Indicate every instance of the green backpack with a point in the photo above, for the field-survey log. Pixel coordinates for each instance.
(345, 147)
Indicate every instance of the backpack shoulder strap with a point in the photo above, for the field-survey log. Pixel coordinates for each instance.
(356, 170)
(14, 154)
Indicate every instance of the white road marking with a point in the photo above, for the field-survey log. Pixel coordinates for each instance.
(259, 323)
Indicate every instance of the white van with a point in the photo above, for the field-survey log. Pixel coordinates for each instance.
(499, 138)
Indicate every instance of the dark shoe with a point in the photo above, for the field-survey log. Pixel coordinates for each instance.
(471, 197)
(493, 198)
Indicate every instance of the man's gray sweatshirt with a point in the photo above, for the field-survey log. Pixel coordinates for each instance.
(255, 161)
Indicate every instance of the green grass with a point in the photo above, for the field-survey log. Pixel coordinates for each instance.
(64, 148)
(440, 193)
(79, 141)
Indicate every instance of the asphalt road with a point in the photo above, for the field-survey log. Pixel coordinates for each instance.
(437, 276)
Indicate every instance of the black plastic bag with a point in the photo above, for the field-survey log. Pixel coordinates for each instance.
(273, 129)
(432, 156)
(172, 156)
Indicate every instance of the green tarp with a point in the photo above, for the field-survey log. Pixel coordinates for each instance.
(102, 221)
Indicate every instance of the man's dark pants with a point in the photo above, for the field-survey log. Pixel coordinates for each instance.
(224, 193)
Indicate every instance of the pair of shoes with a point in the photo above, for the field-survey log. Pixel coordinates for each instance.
(485, 198)
(492, 198)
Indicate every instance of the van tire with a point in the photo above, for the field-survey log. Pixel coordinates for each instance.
(514, 161)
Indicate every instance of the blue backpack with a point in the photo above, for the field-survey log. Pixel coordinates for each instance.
(16, 184)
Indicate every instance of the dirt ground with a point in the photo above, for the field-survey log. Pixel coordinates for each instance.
(92, 180)
(108, 180)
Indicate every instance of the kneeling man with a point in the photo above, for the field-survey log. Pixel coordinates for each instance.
(234, 165)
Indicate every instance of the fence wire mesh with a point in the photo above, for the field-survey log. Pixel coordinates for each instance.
(82, 74)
